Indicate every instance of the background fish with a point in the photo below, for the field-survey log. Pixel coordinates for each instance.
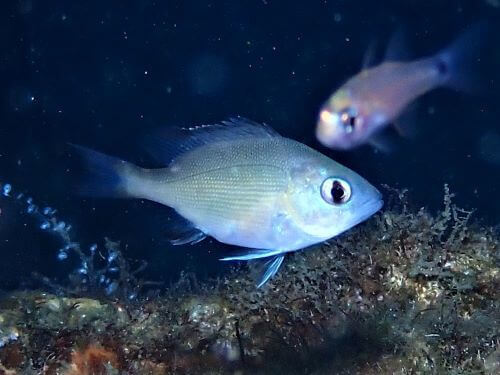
(245, 185)
(377, 96)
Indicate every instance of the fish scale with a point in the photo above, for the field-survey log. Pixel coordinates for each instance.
(221, 193)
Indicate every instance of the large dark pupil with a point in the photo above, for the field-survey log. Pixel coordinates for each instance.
(337, 192)
(352, 121)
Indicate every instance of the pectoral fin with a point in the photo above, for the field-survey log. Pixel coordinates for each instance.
(192, 237)
(406, 124)
(263, 269)
(250, 254)
(267, 269)
(384, 141)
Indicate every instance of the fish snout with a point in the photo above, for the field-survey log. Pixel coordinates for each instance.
(371, 204)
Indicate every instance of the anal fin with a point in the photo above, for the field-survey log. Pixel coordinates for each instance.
(178, 230)
(192, 237)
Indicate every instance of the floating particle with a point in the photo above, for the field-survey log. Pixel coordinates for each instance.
(132, 296)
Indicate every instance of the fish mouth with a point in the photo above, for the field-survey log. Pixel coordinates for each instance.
(369, 208)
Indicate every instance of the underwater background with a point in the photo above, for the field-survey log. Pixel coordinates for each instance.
(103, 74)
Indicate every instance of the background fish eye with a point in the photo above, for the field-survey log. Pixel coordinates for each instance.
(336, 191)
(349, 119)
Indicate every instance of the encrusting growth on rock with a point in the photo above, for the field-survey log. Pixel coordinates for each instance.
(406, 292)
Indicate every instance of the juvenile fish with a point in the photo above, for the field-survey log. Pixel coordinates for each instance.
(377, 96)
(243, 184)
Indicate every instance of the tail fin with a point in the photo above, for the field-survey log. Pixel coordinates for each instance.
(460, 61)
(107, 176)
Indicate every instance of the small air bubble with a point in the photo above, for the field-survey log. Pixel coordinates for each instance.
(62, 255)
(7, 188)
(112, 256)
(60, 226)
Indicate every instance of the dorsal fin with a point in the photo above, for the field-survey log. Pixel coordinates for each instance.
(398, 48)
(167, 144)
(370, 56)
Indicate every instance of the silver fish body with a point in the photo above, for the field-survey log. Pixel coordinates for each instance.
(245, 185)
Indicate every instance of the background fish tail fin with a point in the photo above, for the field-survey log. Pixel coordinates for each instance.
(105, 176)
(460, 61)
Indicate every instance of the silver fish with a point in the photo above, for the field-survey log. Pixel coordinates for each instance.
(243, 184)
(377, 96)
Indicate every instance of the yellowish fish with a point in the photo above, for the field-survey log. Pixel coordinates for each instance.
(243, 184)
(377, 96)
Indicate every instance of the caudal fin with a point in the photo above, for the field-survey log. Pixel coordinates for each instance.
(106, 176)
(460, 61)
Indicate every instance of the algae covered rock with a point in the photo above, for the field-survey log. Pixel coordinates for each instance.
(407, 292)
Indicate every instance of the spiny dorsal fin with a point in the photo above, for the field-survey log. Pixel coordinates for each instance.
(168, 144)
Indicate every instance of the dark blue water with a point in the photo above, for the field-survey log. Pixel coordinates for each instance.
(103, 74)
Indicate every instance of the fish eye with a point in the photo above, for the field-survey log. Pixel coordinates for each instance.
(336, 191)
(350, 119)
